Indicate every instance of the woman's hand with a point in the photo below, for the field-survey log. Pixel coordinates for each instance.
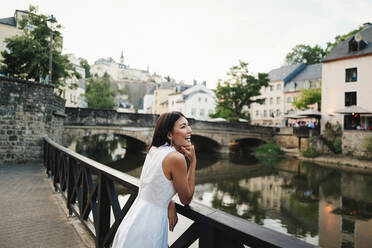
(172, 215)
(189, 152)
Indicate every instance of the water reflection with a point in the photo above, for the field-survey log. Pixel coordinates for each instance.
(323, 206)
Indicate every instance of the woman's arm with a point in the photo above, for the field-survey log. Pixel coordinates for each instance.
(183, 180)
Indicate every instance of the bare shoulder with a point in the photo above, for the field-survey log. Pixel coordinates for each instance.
(175, 159)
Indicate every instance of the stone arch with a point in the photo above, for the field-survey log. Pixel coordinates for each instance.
(204, 144)
(137, 139)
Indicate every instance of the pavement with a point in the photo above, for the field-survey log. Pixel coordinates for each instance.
(32, 214)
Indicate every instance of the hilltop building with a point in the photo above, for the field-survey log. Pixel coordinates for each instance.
(346, 82)
(122, 72)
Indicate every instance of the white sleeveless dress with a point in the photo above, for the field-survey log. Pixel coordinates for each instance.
(146, 223)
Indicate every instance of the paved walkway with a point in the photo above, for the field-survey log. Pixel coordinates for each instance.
(31, 213)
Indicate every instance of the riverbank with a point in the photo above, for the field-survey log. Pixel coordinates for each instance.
(336, 161)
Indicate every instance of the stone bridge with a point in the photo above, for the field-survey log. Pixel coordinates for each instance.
(138, 128)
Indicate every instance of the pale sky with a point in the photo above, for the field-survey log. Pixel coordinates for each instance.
(197, 39)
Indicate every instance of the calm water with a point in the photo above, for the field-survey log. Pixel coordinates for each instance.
(323, 206)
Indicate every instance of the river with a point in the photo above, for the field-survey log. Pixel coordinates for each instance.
(324, 206)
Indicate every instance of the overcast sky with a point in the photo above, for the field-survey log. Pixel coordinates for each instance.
(197, 39)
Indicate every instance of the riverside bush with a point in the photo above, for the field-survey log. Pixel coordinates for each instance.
(310, 153)
(269, 149)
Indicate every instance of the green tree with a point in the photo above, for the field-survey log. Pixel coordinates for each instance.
(339, 38)
(308, 97)
(84, 63)
(305, 54)
(27, 55)
(237, 92)
(99, 93)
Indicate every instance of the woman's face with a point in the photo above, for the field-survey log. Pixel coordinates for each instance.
(181, 134)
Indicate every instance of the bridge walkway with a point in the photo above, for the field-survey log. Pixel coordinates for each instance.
(31, 213)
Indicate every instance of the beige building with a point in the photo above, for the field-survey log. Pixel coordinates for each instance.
(271, 113)
(74, 90)
(346, 82)
(161, 94)
(9, 27)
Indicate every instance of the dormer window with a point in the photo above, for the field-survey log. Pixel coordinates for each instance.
(357, 43)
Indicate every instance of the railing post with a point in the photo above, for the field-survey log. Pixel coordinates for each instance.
(70, 183)
(103, 213)
(207, 236)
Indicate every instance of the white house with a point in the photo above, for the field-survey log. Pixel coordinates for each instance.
(347, 81)
(195, 102)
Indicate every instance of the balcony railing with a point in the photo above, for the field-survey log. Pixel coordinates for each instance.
(90, 189)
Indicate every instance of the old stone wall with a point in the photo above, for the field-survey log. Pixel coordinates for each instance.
(289, 141)
(352, 141)
(28, 112)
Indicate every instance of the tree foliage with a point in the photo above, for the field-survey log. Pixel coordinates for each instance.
(99, 93)
(238, 92)
(308, 97)
(305, 54)
(27, 55)
(84, 63)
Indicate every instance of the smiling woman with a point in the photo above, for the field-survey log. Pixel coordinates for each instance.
(164, 174)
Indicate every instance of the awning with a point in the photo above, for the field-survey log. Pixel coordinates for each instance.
(292, 116)
(310, 113)
(353, 109)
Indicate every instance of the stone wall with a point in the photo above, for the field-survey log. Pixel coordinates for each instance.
(28, 112)
(289, 141)
(352, 141)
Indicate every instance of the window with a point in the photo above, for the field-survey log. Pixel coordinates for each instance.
(278, 100)
(351, 75)
(289, 99)
(271, 88)
(265, 113)
(193, 111)
(271, 100)
(278, 87)
(350, 98)
(271, 113)
(201, 112)
(257, 112)
(277, 112)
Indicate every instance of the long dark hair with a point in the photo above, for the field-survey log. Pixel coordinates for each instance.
(164, 124)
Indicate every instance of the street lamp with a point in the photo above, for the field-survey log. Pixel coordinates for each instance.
(52, 20)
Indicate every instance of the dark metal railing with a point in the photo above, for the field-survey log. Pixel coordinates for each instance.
(90, 189)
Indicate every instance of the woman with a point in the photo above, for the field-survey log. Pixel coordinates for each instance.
(164, 173)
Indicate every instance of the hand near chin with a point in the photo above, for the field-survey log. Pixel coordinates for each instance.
(189, 152)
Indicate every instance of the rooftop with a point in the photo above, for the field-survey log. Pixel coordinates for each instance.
(342, 50)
